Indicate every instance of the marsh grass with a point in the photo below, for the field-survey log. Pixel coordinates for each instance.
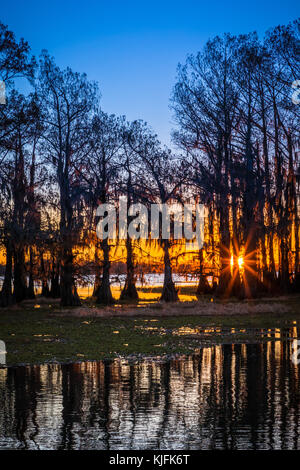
(42, 332)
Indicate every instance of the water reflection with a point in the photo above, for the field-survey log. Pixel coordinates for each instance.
(226, 397)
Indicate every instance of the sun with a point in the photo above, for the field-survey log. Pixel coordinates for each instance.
(240, 261)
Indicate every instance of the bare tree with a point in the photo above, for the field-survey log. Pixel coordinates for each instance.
(68, 99)
(99, 171)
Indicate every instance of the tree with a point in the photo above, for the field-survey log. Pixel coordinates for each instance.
(205, 105)
(15, 61)
(130, 188)
(23, 120)
(159, 173)
(68, 100)
(100, 171)
(236, 124)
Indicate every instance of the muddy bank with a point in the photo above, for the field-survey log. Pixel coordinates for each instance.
(264, 306)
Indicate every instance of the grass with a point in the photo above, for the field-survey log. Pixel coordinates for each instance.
(48, 333)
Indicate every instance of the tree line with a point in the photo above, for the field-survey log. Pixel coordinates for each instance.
(237, 137)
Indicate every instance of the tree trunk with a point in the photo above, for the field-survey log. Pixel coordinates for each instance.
(45, 289)
(129, 291)
(69, 295)
(203, 285)
(55, 287)
(6, 296)
(30, 290)
(104, 295)
(169, 293)
(250, 229)
(269, 275)
(251, 282)
(44, 278)
(97, 282)
(20, 284)
(225, 255)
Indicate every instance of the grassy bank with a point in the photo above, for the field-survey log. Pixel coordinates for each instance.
(42, 332)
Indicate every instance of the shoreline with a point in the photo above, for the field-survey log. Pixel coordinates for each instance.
(206, 306)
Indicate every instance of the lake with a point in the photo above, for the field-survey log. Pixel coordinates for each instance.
(242, 396)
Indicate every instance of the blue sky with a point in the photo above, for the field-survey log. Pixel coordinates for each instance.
(132, 48)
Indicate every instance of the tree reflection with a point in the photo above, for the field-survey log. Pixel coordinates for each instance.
(243, 396)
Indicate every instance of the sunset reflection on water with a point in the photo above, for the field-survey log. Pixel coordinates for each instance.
(242, 396)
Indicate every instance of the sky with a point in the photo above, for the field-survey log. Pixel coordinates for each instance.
(132, 48)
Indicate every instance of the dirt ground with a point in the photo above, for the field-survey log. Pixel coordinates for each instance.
(199, 308)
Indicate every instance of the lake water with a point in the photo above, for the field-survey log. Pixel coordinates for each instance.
(85, 286)
(243, 396)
